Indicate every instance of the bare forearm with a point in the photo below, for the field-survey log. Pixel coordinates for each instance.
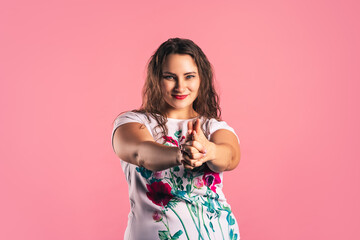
(222, 158)
(156, 157)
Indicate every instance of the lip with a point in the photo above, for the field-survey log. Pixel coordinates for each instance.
(179, 96)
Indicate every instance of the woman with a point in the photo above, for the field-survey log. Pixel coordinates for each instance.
(174, 149)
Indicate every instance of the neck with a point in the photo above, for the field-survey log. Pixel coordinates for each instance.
(182, 114)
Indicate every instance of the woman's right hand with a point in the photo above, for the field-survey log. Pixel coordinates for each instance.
(192, 157)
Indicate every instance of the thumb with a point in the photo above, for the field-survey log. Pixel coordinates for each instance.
(189, 135)
(196, 129)
(197, 134)
(190, 127)
(197, 138)
(197, 126)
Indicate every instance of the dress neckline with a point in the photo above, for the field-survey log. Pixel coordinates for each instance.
(176, 119)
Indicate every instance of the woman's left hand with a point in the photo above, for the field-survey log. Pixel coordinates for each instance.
(198, 148)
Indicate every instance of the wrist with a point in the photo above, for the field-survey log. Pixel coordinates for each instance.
(179, 156)
(211, 151)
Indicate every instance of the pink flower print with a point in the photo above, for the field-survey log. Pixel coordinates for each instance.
(198, 183)
(157, 216)
(169, 139)
(158, 175)
(181, 139)
(211, 178)
(159, 193)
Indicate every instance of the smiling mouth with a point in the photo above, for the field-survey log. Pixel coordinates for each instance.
(179, 96)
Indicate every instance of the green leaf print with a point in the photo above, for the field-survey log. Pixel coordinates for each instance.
(193, 208)
(179, 181)
(211, 226)
(172, 203)
(154, 180)
(232, 235)
(210, 206)
(226, 208)
(230, 219)
(176, 169)
(179, 194)
(164, 235)
(188, 189)
(144, 172)
(178, 134)
(177, 234)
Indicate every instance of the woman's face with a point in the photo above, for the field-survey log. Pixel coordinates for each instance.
(180, 83)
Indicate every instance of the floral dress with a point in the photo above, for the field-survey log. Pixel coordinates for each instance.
(176, 203)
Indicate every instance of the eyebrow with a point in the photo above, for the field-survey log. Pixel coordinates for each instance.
(184, 73)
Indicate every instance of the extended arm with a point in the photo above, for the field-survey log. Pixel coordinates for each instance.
(225, 152)
(134, 144)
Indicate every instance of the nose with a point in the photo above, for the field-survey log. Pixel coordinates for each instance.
(180, 85)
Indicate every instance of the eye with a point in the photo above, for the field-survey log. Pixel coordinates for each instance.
(190, 76)
(168, 77)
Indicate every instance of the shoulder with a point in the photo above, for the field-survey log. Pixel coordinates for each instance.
(214, 125)
(130, 116)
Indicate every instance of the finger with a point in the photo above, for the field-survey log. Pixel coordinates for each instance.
(190, 127)
(196, 135)
(197, 125)
(194, 162)
(190, 161)
(197, 128)
(193, 150)
(188, 147)
(197, 156)
(199, 146)
(195, 144)
(199, 163)
(188, 167)
(189, 136)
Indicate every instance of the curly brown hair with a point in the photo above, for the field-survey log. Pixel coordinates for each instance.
(207, 102)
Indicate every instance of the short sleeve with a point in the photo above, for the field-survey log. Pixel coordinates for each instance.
(125, 118)
(215, 125)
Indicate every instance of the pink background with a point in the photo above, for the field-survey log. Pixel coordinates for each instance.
(288, 77)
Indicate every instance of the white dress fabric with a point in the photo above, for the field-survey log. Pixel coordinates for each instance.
(176, 203)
